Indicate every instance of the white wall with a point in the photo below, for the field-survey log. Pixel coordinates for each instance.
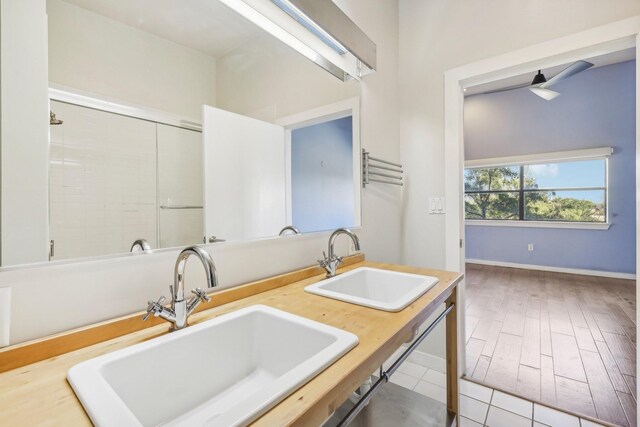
(24, 132)
(267, 80)
(82, 293)
(95, 54)
(438, 35)
(381, 204)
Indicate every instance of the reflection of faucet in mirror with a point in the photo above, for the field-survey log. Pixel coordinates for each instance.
(331, 262)
(140, 245)
(292, 228)
(181, 309)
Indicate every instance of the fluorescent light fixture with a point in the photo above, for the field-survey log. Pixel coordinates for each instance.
(546, 94)
(293, 11)
(266, 24)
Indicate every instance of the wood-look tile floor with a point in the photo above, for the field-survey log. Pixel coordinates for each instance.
(561, 339)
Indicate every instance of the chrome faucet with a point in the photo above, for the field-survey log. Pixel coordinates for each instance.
(140, 245)
(330, 263)
(181, 309)
(291, 228)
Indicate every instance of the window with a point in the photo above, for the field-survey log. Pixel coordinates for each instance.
(572, 191)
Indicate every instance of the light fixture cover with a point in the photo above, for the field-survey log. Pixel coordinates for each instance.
(310, 25)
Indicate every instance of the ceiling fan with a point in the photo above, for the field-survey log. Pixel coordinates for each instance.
(540, 85)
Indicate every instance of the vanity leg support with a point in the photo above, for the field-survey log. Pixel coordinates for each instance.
(451, 333)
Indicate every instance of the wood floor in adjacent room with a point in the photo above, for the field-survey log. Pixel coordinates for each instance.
(561, 339)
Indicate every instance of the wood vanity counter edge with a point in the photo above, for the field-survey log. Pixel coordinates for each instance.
(38, 393)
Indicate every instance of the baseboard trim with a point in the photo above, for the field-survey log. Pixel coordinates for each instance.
(598, 273)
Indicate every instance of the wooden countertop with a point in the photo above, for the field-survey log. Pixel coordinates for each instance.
(39, 394)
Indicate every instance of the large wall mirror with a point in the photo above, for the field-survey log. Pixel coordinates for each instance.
(181, 122)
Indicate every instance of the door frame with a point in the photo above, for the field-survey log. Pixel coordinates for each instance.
(600, 40)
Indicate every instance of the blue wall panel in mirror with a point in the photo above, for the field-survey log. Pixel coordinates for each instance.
(322, 175)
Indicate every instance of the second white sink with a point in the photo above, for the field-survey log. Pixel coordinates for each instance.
(371, 287)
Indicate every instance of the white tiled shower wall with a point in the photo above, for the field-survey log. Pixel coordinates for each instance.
(102, 182)
(114, 179)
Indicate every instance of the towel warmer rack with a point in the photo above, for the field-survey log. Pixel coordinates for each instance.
(379, 170)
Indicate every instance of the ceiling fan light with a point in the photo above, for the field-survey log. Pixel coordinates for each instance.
(546, 94)
(539, 78)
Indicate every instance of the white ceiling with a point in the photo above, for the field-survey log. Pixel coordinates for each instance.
(207, 26)
(525, 79)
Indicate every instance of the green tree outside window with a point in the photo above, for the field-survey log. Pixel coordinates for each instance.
(506, 193)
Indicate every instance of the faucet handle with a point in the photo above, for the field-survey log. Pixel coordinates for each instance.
(154, 307)
(325, 259)
(201, 295)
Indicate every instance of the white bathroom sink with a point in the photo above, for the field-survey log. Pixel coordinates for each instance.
(371, 287)
(223, 372)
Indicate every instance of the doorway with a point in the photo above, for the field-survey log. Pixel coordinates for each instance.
(604, 40)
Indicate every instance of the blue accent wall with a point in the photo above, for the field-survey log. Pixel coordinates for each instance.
(322, 176)
(596, 109)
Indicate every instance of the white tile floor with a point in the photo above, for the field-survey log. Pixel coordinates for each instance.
(421, 379)
(479, 405)
(484, 406)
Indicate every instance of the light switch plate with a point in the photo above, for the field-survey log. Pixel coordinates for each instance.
(436, 205)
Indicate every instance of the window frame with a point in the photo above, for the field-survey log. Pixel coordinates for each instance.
(521, 162)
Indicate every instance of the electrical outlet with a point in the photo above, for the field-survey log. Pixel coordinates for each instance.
(530, 247)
